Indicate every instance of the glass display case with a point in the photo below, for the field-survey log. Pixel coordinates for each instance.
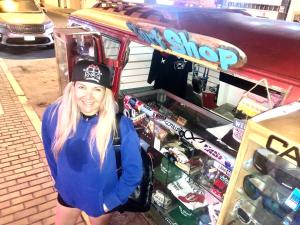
(192, 168)
(264, 187)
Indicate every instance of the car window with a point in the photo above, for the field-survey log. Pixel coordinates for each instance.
(111, 47)
(18, 6)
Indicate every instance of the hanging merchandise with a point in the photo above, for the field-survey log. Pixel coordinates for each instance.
(198, 82)
(250, 105)
(169, 72)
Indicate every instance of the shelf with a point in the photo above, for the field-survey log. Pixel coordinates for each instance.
(256, 211)
(278, 141)
(191, 127)
(194, 177)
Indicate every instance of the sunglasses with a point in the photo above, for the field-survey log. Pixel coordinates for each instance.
(266, 162)
(243, 211)
(255, 187)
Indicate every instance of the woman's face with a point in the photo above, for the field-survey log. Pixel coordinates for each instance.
(88, 97)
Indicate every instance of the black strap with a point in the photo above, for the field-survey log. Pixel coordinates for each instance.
(117, 145)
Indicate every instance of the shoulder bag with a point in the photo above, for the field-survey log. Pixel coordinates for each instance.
(140, 199)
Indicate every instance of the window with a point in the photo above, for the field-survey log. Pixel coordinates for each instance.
(111, 47)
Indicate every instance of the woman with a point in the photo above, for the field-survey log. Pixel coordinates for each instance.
(77, 133)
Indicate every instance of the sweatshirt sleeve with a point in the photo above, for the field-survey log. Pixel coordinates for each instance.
(47, 141)
(131, 166)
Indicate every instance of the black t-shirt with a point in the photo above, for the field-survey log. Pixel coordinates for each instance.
(169, 72)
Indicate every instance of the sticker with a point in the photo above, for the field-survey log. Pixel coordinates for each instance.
(293, 201)
(222, 168)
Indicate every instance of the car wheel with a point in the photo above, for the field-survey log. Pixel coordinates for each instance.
(2, 47)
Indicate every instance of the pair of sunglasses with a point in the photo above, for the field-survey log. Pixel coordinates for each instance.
(243, 213)
(254, 190)
(286, 174)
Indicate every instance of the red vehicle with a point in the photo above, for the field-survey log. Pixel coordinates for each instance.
(230, 51)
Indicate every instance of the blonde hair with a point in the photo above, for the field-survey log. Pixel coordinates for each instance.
(68, 115)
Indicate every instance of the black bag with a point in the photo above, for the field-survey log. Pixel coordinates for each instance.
(140, 200)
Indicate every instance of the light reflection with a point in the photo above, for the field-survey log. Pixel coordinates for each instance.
(10, 6)
(165, 2)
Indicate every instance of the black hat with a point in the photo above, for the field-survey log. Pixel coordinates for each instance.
(90, 71)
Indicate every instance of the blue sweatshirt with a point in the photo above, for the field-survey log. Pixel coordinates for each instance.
(77, 175)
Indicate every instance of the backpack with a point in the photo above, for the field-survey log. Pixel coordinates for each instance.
(140, 199)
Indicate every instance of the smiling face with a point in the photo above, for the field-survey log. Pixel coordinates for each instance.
(88, 97)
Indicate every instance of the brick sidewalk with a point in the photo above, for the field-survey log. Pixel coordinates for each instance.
(27, 195)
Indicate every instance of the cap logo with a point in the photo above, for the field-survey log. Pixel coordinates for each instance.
(92, 72)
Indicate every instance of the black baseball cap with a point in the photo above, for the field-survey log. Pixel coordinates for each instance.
(90, 71)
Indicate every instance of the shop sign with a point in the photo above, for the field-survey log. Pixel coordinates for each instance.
(288, 149)
(197, 46)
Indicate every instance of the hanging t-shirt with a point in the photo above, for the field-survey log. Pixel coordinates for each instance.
(169, 72)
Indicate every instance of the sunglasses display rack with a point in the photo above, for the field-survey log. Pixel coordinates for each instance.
(264, 188)
(192, 169)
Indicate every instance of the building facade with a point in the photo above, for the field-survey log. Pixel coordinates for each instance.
(272, 9)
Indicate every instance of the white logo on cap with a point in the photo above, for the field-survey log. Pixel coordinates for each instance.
(92, 72)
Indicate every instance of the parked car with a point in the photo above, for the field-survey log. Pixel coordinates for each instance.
(24, 23)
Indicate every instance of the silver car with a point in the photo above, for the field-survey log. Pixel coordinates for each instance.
(24, 23)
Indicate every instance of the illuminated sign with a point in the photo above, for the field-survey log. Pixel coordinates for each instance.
(197, 46)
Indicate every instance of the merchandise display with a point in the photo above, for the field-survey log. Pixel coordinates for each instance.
(165, 67)
(182, 215)
(192, 196)
(166, 172)
(192, 170)
(267, 186)
(161, 199)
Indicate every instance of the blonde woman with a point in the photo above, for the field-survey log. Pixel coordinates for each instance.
(77, 133)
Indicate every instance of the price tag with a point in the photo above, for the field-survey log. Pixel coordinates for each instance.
(156, 144)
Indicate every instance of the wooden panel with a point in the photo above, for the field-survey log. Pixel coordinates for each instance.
(134, 85)
(140, 57)
(137, 78)
(138, 65)
(140, 50)
(133, 72)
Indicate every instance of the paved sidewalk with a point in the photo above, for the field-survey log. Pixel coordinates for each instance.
(27, 195)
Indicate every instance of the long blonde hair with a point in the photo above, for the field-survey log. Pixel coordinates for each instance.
(68, 115)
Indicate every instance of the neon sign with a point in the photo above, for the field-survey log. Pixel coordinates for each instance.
(197, 46)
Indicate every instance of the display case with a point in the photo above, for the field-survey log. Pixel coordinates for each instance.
(265, 184)
(192, 168)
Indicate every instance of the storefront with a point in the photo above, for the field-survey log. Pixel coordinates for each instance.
(181, 74)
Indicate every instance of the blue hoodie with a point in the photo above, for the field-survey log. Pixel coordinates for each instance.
(77, 175)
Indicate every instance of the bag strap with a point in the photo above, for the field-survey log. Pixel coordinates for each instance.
(265, 82)
(117, 145)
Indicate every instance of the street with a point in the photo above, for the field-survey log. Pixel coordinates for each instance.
(35, 70)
